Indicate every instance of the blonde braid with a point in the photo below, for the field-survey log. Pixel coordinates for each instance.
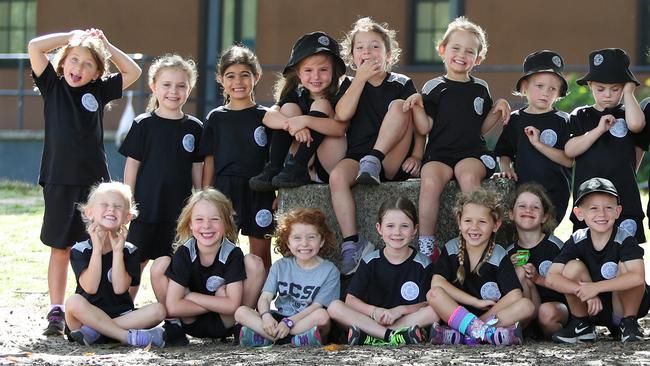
(488, 255)
(460, 273)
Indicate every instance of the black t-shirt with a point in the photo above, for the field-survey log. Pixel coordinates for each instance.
(237, 139)
(166, 150)
(458, 110)
(186, 268)
(299, 96)
(495, 279)
(105, 298)
(381, 283)
(542, 256)
(372, 108)
(612, 156)
(602, 264)
(73, 151)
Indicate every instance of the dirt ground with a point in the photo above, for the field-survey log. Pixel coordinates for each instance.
(21, 343)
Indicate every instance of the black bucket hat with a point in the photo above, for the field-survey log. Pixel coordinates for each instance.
(544, 61)
(608, 66)
(313, 43)
(593, 185)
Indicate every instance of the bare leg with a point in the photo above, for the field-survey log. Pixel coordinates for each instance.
(575, 270)
(394, 138)
(342, 177)
(469, 173)
(434, 177)
(57, 274)
(159, 281)
(261, 247)
(552, 316)
(255, 276)
(347, 316)
(331, 151)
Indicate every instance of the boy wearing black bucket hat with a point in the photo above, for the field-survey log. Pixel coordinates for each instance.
(605, 137)
(305, 94)
(535, 136)
(600, 270)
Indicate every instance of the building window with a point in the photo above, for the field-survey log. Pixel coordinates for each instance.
(430, 20)
(17, 25)
(239, 23)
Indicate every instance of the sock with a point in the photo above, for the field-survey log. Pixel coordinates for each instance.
(426, 244)
(469, 324)
(387, 335)
(304, 153)
(280, 144)
(354, 238)
(61, 306)
(90, 335)
(616, 318)
(378, 154)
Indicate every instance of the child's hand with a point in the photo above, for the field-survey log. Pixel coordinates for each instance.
(118, 238)
(412, 166)
(508, 174)
(412, 101)
(586, 291)
(97, 235)
(513, 259)
(77, 33)
(98, 33)
(532, 133)
(503, 108)
(368, 69)
(283, 330)
(606, 122)
(594, 306)
(270, 326)
(629, 87)
(530, 272)
(484, 304)
(295, 124)
(388, 316)
(304, 136)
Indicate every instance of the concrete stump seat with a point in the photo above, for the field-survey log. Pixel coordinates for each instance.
(369, 198)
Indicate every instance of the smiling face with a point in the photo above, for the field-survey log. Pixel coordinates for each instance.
(460, 54)
(80, 67)
(171, 88)
(599, 211)
(606, 95)
(109, 210)
(206, 224)
(476, 225)
(315, 74)
(238, 82)
(396, 229)
(304, 243)
(528, 212)
(542, 90)
(369, 46)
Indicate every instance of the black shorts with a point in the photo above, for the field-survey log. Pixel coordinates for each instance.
(152, 239)
(634, 226)
(62, 224)
(208, 325)
(605, 316)
(486, 157)
(253, 210)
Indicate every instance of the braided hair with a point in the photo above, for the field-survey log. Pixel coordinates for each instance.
(489, 200)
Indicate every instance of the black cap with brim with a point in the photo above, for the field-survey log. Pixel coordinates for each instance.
(544, 61)
(311, 44)
(609, 66)
(594, 185)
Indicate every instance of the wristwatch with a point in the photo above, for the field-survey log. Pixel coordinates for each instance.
(288, 322)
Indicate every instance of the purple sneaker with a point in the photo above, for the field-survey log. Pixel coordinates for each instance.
(369, 170)
(507, 336)
(249, 338)
(145, 337)
(55, 322)
(440, 334)
(351, 254)
(308, 338)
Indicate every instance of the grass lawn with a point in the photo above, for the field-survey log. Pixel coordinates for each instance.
(24, 258)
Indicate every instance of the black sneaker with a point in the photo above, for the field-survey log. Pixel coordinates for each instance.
(174, 335)
(354, 336)
(55, 322)
(630, 331)
(262, 181)
(578, 330)
(294, 174)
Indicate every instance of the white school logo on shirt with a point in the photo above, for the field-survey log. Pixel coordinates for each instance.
(609, 270)
(629, 225)
(263, 218)
(410, 291)
(188, 142)
(544, 267)
(213, 283)
(260, 136)
(478, 105)
(89, 102)
(548, 137)
(490, 291)
(619, 128)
